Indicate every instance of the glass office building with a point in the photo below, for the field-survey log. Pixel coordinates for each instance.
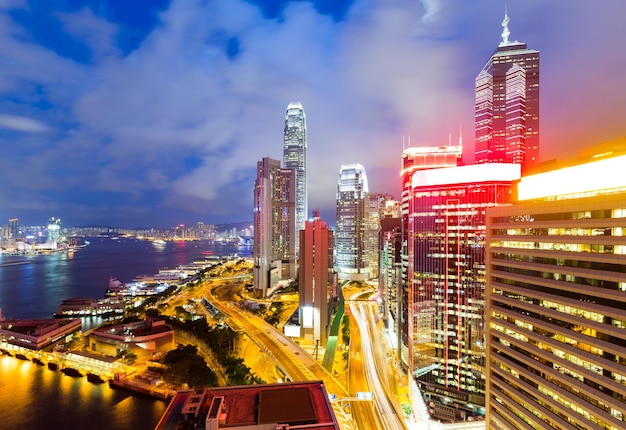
(294, 157)
(507, 105)
(446, 238)
(556, 300)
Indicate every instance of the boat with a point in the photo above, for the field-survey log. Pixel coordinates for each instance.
(52, 365)
(70, 371)
(37, 361)
(159, 242)
(21, 356)
(94, 378)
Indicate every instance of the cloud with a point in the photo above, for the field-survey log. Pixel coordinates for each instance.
(173, 127)
(98, 34)
(23, 124)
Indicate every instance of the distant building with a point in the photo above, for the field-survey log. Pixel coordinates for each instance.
(142, 338)
(556, 294)
(507, 105)
(376, 209)
(390, 275)
(275, 231)
(296, 405)
(54, 233)
(13, 228)
(294, 157)
(313, 278)
(38, 334)
(447, 295)
(351, 259)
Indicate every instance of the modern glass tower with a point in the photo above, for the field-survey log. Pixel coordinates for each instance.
(507, 105)
(294, 157)
(352, 259)
(446, 237)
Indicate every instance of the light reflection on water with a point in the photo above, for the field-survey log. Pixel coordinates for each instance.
(34, 397)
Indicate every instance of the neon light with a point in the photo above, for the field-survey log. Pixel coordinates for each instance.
(594, 176)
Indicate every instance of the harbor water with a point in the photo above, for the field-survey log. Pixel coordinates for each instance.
(34, 397)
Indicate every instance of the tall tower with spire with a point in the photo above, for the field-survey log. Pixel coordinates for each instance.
(507, 104)
(294, 157)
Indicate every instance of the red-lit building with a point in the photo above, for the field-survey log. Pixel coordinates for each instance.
(507, 105)
(315, 291)
(415, 159)
(446, 275)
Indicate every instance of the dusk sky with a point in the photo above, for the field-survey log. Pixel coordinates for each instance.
(155, 113)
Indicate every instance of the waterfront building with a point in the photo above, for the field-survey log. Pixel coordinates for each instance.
(294, 405)
(415, 159)
(446, 238)
(507, 105)
(81, 306)
(351, 258)
(142, 338)
(38, 334)
(54, 233)
(556, 294)
(314, 289)
(294, 157)
(274, 226)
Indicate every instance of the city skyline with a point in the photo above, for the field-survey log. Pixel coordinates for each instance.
(155, 114)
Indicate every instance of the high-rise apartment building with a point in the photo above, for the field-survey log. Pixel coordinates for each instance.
(556, 295)
(415, 159)
(507, 105)
(274, 225)
(294, 157)
(446, 237)
(315, 294)
(351, 258)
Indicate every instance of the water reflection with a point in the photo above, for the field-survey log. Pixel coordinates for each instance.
(35, 397)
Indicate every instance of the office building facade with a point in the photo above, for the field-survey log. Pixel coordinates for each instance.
(415, 159)
(294, 157)
(274, 225)
(556, 294)
(446, 237)
(351, 257)
(507, 105)
(313, 271)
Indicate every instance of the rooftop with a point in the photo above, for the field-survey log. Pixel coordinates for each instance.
(302, 404)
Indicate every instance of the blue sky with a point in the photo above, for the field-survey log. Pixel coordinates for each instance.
(154, 113)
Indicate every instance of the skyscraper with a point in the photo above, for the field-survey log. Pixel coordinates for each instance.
(313, 275)
(507, 105)
(274, 225)
(446, 240)
(294, 157)
(351, 260)
(556, 294)
(415, 159)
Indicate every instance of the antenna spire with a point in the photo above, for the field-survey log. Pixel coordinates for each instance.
(505, 24)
